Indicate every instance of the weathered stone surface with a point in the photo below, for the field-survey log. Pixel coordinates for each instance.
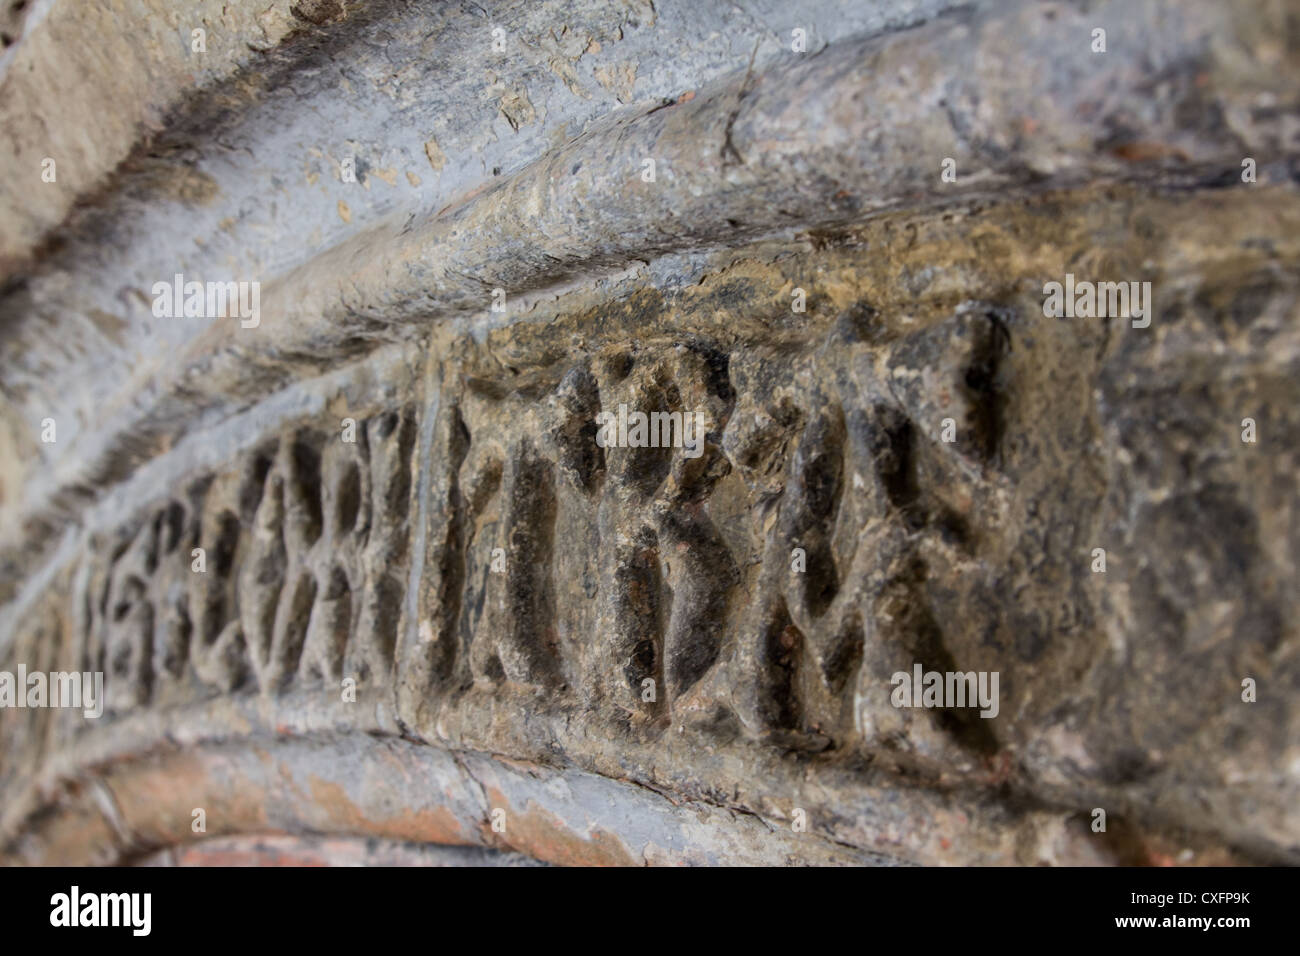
(501, 588)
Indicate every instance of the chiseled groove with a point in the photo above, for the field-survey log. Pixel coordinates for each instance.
(147, 736)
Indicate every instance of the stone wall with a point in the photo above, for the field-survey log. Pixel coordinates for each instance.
(357, 566)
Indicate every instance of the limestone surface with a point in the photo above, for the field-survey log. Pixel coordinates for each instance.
(651, 433)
